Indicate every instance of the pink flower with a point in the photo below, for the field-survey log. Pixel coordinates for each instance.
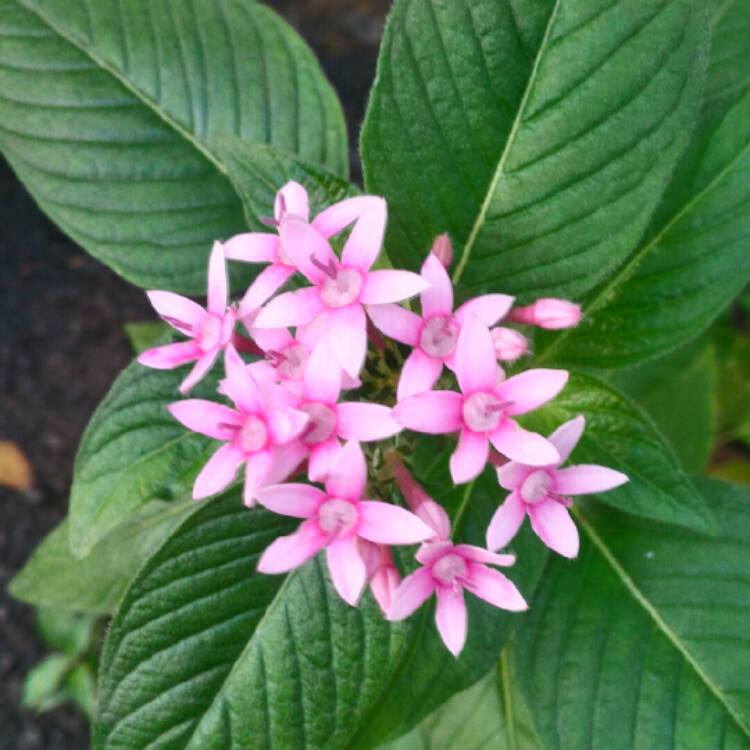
(542, 494)
(341, 288)
(335, 520)
(510, 345)
(484, 409)
(260, 432)
(209, 330)
(382, 574)
(549, 313)
(434, 336)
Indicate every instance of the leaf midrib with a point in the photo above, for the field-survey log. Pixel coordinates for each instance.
(500, 169)
(661, 624)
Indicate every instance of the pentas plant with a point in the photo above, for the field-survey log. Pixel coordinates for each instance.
(288, 421)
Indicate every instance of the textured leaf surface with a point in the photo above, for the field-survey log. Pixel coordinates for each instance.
(540, 135)
(203, 653)
(644, 643)
(110, 113)
(622, 436)
(696, 258)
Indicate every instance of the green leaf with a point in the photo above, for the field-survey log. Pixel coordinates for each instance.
(143, 336)
(540, 135)
(42, 686)
(644, 643)
(80, 687)
(696, 257)
(620, 435)
(134, 451)
(204, 653)
(110, 113)
(63, 631)
(53, 577)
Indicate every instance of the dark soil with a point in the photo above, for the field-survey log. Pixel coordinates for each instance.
(62, 344)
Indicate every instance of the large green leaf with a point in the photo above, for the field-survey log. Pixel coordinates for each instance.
(622, 436)
(111, 113)
(204, 653)
(539, 134)
(645, 643)
(696, 258)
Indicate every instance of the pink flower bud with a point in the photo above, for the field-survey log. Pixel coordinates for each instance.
(442, 249)
(382, 574)
(548, 312)
(509, 344)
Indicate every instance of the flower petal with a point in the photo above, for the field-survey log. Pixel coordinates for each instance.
(218, 283)
(412, 592)
(388, 524)
(495, 588)
(265, 285)
(289, 552)
(434, 412)
(366, 238)
(483, 556)
(256, 475)
(586, 478)
(347, 569)
(340, 215)
(271, 338)
(300, 243)
(239, 384)
(347, 478)
(365, 422)
(290, 309)
(218, 472)
(437, 299)
(347, 334)
(396, 322)
(523, 446)
(386, 286)
(418, 375)
(286, 458)
(511, 475)
(566, 436)
(506, 522)
(554, 526)
(286, 424)
(322, 377)
(252, 247)
(169, 356)
(322, 457)
(489, 308)
(451, 618)
(470, 456)
(291, 200)
(202, 366)
(177, 308)
(530, 389)
(296, 500)
(206, 417)
(476, 365)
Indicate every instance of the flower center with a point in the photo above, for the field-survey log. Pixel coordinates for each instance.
(439, 336)
(253, 434)
(321, 424)
(292, 366)
(342, 288)
(337, 518)
(209, 334)
(450, 569)
(536, 486)
(482, 412)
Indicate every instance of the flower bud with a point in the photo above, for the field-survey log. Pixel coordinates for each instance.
(442, 249)
(382, 574)
(509, 344)
(548, 312)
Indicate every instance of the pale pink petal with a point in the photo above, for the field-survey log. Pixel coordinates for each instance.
(434, 412)
(218, 472)
(523, 446)
(566, 436)
(322, 378)
(476, 366)
(347, 334)
(437, 299)
(366, 422)
(396, 322)
(511, 475)
(289, 552)
(586, 478)
(530, 389)
(554, 526)
(419, 373)
(435, 517)
(489, 308)
(470, 456)
(433, 550)
(383, 585)
(311, 333)
(276, 396)
(206, 417)
(175, 308)
(388, 524)
(290, 309)
(218, 283)
(169, 356)
(366, 238)
(262, 370)
(451, 618)
(256, 475)
(382, 287)
(239, 384)
(495, 588)
(484, 556)
(202, 366)
(506, 521)
(296, 500)
(291, 199)
(286, 424)
(322, 457)
(271, 338)
(286, 459)
(265, 285)
(347, 569)
(300, 243)
(252, 247)
(340, 215)
(413, 591)
(347, 477)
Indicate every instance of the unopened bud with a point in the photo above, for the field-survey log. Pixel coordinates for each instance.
(509, 344)
(442, 249)
(382, 574)
(548, 312)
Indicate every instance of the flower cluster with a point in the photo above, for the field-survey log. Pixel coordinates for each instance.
(288, 417)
